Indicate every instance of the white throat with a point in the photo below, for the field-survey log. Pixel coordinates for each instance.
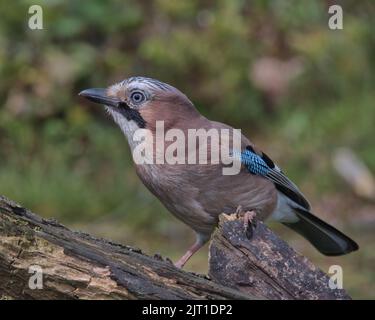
(128, 127)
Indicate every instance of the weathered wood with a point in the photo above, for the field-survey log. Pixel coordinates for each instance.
(78, 266)
(264, 265)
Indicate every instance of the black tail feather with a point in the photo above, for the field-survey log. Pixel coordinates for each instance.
(328, 240)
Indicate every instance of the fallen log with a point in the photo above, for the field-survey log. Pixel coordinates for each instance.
(265, 265)
(42, 259)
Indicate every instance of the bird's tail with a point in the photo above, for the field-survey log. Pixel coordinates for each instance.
(328, 240)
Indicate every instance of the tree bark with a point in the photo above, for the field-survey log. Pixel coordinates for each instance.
(264, 265)
(76, 265)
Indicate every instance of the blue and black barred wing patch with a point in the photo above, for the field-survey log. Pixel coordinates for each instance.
(261, 164)
(253, 162)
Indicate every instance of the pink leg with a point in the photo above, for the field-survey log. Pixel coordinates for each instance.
(199, 243)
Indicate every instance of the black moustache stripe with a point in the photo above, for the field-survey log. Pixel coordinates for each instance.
(132, 114)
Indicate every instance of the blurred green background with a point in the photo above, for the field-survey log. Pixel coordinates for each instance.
(273, 68)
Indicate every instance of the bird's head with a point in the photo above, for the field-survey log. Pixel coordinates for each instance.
(138, 102)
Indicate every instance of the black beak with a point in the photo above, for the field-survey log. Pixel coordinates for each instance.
(100, 96)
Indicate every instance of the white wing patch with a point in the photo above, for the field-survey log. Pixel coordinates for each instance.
(283, 211)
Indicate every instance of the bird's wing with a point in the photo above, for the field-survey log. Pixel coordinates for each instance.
(257, 162)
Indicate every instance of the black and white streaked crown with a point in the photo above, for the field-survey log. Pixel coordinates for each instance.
(152, 84)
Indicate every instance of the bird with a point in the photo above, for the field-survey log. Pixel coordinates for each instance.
(198, 193)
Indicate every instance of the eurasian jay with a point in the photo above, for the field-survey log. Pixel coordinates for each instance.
(198, 193)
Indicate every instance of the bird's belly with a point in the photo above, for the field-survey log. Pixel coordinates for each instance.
(259, 196)
(178, 195)
(191, 213)
(198, 197)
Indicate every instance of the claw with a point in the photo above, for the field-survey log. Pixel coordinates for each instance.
(248, 223)
(248, 217)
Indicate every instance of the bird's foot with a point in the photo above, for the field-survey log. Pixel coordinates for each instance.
(248, 217)
(248, 220)
(179, 264)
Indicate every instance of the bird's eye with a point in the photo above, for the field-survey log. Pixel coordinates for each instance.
(137, 97)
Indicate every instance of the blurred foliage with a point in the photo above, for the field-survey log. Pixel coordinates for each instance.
(63, 158)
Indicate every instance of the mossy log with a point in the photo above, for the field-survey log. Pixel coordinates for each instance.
(76, 265)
